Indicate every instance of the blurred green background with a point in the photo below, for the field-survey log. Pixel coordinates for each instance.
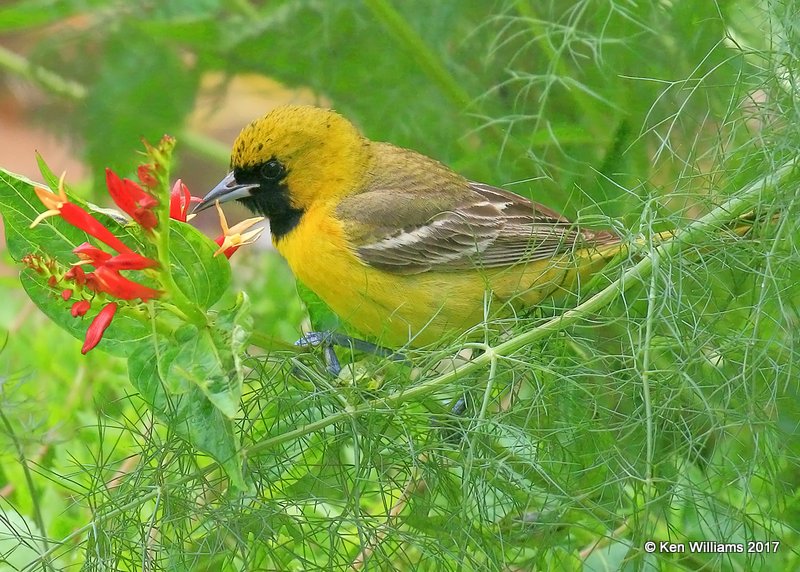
(636, 115)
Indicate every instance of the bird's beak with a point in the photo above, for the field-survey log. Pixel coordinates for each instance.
(227, 190)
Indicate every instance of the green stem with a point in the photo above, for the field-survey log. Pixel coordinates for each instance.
(487, 393)
(161, 155)
(645, 372)
(271, 343)
(174, 293)
(594, 121)
(42, 77)
(427, 60)
(37, 513)
(730, 210)
(57, 85)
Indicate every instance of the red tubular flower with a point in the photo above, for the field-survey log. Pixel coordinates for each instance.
(111, 282)
(91, 254)
(147, 175)
(130, 261)
(80, 308)
(229, 251)
(125, 261)
(234, 237)
(77, 274)
(98, 327)
(132, 199)
(106, 278)
(179, 200)
(58, 204)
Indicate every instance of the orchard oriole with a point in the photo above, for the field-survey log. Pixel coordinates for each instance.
(397, 244)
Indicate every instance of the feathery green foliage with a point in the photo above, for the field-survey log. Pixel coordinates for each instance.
(664, 408)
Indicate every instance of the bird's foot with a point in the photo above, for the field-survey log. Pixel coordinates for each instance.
(460, 408)
(323, 340)
(328, 340)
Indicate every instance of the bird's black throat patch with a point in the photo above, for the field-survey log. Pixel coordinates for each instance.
(271, 198)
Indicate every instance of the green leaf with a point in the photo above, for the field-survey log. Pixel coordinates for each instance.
(208, 359)
(19, 207)
(230, 335)
(199, 363)
(47, 173)
(119, 339)
(191, 415)
(200, 275)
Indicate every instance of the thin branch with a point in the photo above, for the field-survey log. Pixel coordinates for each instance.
(72, 90)
(603, 541)
(50, 81)
(385, 13)
(32, 491)
(413, 486)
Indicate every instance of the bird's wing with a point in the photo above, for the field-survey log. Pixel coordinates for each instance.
(407, 232)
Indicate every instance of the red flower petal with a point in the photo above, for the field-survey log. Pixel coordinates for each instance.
(123, 261)
(77, 274)
(147, 176)
(148, 201)
(98, 327)
(80, 308)
(145, 218)
(112, 282)
(132, 199)
(228, 252)
(130, 261)
(66, 294)
(80, 218)
(90, 253)
(179, 200)
(119, 192)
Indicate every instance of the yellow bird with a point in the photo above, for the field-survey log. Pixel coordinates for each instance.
(397, 244)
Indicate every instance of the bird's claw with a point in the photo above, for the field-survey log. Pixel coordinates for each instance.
(328, 340)
(460, 407)
(315, 340)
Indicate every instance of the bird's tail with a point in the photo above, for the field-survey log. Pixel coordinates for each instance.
(557, 278)
(740, 226)
(608, 246)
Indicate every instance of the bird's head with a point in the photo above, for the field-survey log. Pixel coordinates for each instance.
(287, 161)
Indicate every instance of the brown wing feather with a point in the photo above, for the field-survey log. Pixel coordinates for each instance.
(437, 221)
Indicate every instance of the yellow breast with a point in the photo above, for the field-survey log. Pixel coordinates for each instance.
(394, 309)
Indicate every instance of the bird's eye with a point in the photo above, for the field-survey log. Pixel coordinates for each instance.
(272, 169)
